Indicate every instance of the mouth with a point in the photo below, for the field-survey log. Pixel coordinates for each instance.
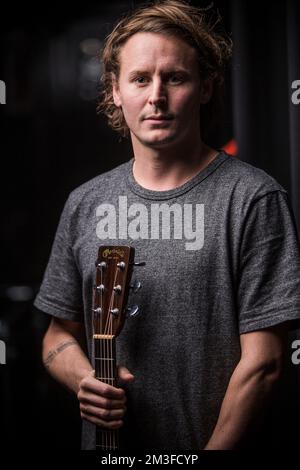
(158, 119)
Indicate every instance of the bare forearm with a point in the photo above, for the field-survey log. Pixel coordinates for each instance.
(244, 400)
(65, 359)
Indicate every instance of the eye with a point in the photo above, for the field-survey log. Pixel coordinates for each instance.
(140, 80)
(176, 79)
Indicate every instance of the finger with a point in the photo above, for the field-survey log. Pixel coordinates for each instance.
(101, 402)
(102, 424)
(98, 387)
(101, 413)
(124, 374)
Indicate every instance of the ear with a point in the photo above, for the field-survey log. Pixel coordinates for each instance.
(206, 91)
(116, 91)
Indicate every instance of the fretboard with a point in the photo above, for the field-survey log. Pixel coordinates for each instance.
(105, 370)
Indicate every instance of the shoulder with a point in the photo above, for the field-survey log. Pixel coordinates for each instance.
(247, 180)
(86, 192)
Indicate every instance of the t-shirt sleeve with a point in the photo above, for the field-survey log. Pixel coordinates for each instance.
(269, 271)
(60, 293)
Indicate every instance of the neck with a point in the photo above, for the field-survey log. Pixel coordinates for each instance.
(105, 370)
(161, 169)
(105, 358)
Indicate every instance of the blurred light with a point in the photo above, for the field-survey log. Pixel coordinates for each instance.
(19, 293)
(90, 46)
(231, 147)
(90, 68)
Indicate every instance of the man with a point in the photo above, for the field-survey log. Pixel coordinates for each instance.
(221, 280)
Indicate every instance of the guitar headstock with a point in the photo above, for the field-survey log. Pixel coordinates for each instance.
(114, 267)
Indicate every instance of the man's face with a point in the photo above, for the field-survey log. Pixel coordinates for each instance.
(159, 90)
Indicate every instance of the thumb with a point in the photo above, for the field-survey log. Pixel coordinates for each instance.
(124, 374)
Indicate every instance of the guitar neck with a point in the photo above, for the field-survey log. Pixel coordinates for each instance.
(106, 371)
(105, 358)
(114, 267)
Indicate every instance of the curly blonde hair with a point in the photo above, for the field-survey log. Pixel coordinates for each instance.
(173, 18)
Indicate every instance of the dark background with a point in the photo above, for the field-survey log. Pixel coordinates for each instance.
(52, 140)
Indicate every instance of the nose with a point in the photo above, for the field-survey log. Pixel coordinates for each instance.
(158, 96)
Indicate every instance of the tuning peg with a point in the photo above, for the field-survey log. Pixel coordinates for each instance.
(97, 310)
(135, 286)
(100, 288)
(114, 311)
(132, 311)
(121, 265)
(101, 265)
(135, 263)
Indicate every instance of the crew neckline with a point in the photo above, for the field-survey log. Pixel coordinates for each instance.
(135, 187)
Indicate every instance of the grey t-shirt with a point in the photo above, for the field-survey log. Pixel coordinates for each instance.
(222, 258)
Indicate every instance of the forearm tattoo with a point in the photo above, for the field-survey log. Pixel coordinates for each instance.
(52, 354)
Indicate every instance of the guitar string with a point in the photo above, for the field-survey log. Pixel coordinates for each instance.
(97, 320)
(108, 347)
(100, 347)
(100, 356)
(110, 435)
(111, 363)
(96, 331)
(104, 432)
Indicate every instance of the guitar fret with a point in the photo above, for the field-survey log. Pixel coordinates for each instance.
(103, 337)
(106, 378)
(106, 447)
(105, 358)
